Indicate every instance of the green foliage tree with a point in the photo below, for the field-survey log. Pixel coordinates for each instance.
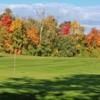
(8, 11)
(44, 49)
(64, 46)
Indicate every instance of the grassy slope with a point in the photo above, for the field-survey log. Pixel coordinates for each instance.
(42, 78)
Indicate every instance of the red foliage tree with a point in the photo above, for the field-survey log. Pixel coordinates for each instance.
(65, 28)
(6, 21)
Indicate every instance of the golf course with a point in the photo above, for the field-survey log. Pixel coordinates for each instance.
(49, 78)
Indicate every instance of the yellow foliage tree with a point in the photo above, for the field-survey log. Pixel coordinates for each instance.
(16, 24)
(76, 28)
(5, 40)
(50, 25)
(78, 31)
(50, 21)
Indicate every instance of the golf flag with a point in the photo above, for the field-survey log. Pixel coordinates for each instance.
(17, 51)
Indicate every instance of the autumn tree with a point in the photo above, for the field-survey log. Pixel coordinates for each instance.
(33, 36)
(50, 28)
(49, 32)
(20, 40)
(93, 38)
(65, 28)
(41, 16)
(6, 21)
(16, 24)
(78, 32)
(5, 40)
(76, 28)
(5, 37)
(6, 18)
(6, 11)
(30, 23)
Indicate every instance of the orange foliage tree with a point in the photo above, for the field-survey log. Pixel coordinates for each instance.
(33, 36)
(93, 38)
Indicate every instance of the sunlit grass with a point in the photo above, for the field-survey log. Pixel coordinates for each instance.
(49, 78)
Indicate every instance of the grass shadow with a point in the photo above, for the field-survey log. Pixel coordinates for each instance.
(76, 87)
(1, 56)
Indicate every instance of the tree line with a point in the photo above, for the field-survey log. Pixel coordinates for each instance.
(45, 37)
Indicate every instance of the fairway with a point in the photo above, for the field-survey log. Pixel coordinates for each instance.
(49, 78)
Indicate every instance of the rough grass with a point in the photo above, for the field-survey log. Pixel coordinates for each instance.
(42, 78)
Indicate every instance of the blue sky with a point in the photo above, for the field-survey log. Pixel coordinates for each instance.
(86, 12)
(73, 2)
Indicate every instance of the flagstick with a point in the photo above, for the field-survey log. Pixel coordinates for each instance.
(14, 62)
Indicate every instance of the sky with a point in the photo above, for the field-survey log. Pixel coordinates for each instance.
(74, 2)
(86, 12)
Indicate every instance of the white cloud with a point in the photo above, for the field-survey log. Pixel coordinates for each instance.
(64, 11)
(87, 16)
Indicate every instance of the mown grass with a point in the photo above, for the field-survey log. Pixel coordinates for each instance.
(48, 78)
